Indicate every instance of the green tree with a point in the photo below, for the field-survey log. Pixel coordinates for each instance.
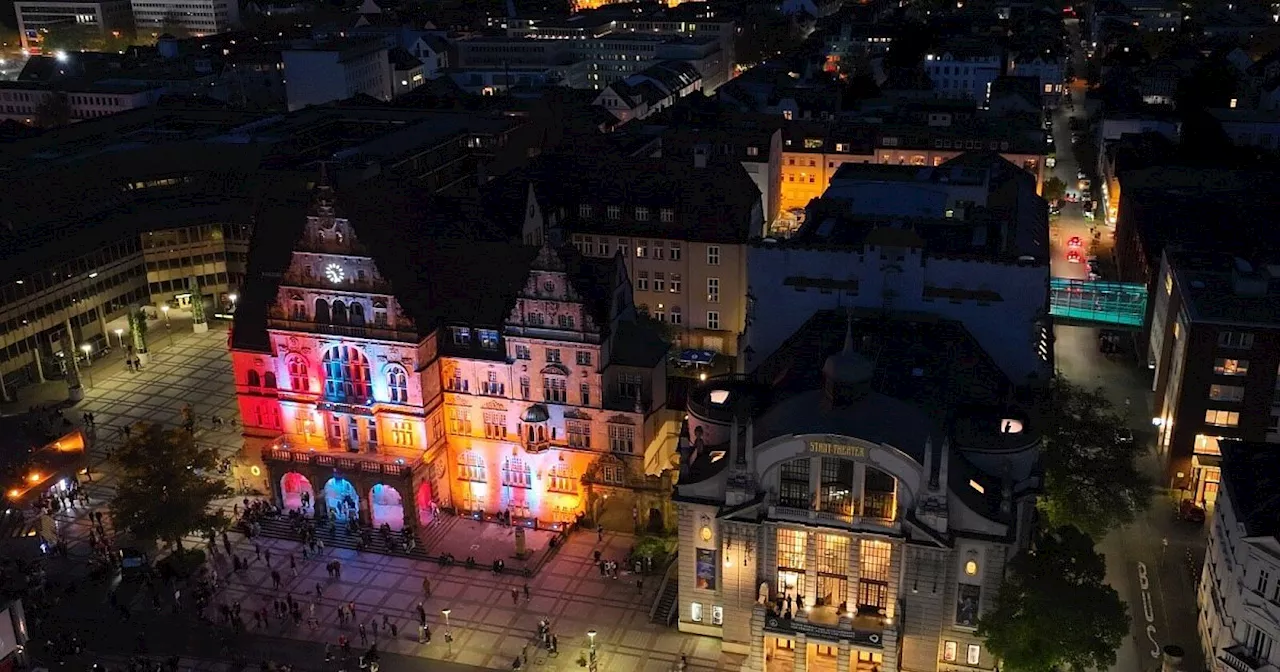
(53, 111)
(1092, 481)
(165, 490)
(1054, 610)
(73, 37)
(1054, 189)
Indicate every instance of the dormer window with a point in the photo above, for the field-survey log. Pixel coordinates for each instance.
(461, 335)
(642, 214)
(614, 212)
(584, 211)
(488, 339)
(667, 215)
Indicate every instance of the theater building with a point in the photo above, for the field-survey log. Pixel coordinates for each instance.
(392, 374)
(843, 514)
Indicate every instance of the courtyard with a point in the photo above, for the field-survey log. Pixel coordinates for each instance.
(490, 616)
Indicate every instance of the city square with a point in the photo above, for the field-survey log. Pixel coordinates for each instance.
(489, 629)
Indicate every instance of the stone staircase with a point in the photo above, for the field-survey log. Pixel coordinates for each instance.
(279, 527)
(665, 608)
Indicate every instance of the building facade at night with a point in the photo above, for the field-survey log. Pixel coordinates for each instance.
(483, 377)
(853, 520)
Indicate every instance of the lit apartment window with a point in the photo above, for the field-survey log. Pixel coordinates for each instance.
(1226, 392)
(1235, 339)
(813, 143)
(642, 248)
(713, 290)
(753, 151)
(842, 147)
(461, 335)
(1231, 367)
(675, 283)
(1222, 418)
(713, 255)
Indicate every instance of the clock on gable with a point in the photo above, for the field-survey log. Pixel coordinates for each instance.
(335, 273)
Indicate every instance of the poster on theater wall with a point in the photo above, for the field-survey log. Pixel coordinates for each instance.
(705, 569)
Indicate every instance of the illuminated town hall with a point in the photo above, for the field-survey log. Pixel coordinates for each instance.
(393, 374)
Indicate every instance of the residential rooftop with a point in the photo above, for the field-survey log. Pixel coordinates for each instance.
(1224, 289)
(1251, 478)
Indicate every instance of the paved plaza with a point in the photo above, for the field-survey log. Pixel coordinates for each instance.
(489, 627)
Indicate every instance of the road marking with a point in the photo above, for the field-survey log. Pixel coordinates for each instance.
(1147, 611)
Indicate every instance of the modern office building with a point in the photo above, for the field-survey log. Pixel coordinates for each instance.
(965, 241)
(1214, 346)
(197, 17)
(323, 72)
(853, 504)
(1238, 596)
(36, 17)
(490, 378)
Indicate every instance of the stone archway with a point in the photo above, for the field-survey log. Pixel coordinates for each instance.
(425, 505)
(296, 493)
(341, 498)
(386, 506)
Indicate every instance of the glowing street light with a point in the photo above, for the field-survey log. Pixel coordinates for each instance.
(88, 362)
(165, 310)
(120, 335)
(448, 631)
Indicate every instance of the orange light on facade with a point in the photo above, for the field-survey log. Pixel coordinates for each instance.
(13, 494)
(34, 477)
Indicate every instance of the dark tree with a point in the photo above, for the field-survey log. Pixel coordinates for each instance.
(1054, 610)
(1054, 189)
(166, 486)
(1091, 479)
(53, 111)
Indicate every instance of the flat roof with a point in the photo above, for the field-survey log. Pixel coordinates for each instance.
(1207, 282)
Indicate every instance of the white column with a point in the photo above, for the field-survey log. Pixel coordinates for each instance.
(801, 663)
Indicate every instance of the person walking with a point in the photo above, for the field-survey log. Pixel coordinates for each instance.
(364, 635)
(515, 595)
(426, 586)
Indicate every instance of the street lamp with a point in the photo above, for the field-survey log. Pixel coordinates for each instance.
(233, 296)
(120, 335)
(88, 363)
(165, 310)
(591, 652)
(448, 631)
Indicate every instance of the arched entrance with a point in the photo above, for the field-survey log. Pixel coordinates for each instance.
(342, 499)
(426, 507)
(387, 506)
(655, 525)
(296, 493)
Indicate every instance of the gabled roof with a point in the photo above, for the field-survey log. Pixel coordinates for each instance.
(1249, 476)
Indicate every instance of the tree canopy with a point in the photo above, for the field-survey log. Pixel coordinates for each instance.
(1054, 189)
(1054, 610)
(165, 489)
(1091, 479)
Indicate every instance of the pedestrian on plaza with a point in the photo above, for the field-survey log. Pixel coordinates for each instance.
(275, 579)
(257, 550)
(373, 625)
(515, 595)
(555, 644)
(293, 566)
(267, 554)
(351, 607)
(639, 586)
(426, 586)
(422, 614)
(600, 533)
(364, 636)
(318, 594)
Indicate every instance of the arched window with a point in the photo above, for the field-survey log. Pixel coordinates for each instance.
(516, 474)
(471, 467)
(253, 379)
(339, 312)
(269, 380)
(398, 383)
(298, 378)
(346, 374)
(357, 314)
(322, 311)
